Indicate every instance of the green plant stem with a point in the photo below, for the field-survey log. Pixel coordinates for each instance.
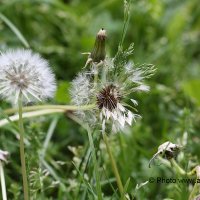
(96, 171)
(3, 184)
(114, 167)
(22, 153)
(41, 110)
(36, 113)
(180, 170)
(177, 167)
(196, 187)
(61, 107)
(49, 136)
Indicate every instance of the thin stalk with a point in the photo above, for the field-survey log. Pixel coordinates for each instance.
(32, 114)
(114, 167)
(96, 171)
(177, 167)
(22, 153)
(61, 107)
(180, 170)
(196, 187)
(3, 183)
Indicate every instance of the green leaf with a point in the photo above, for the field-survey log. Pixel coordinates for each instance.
(191, 88)
(62, 93)
(15, 30)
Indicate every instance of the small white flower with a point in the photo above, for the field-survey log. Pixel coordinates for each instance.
(22, 71)
(144, 88)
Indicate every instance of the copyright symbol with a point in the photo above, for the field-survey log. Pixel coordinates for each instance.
(151, 180)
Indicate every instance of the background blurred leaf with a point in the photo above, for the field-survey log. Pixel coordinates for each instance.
(192, 89)
(14, 29)
(62, 93)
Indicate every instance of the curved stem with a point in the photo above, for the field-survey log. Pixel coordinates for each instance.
(22, 153)
(36, 113)
(179, 169)
(62, 107)
(114, 167)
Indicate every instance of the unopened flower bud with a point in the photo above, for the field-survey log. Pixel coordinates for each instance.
(98, 53)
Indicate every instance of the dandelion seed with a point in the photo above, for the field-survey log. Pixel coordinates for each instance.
(22, 71)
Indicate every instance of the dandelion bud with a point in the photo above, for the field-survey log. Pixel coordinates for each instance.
(98, 53)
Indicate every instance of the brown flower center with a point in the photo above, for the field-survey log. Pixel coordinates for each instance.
(108, 97)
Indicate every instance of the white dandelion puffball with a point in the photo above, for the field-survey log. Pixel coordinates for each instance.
(22, 71)
(81, 90)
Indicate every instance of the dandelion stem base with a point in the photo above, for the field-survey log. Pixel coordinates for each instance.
(22, 153)
(114, 167)
(97, 176)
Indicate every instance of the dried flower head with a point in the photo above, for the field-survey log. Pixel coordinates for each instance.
(108, 97)
(22, 71)
(109, 103)
(167, 150)
(121, 80)
(3, 155)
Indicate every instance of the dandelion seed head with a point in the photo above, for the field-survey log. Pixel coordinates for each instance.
(22, 71)
(108, 97)
(112, 109)
(81, 90)
(82, 93)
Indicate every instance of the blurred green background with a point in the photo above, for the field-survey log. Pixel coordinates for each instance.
(165, 33)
